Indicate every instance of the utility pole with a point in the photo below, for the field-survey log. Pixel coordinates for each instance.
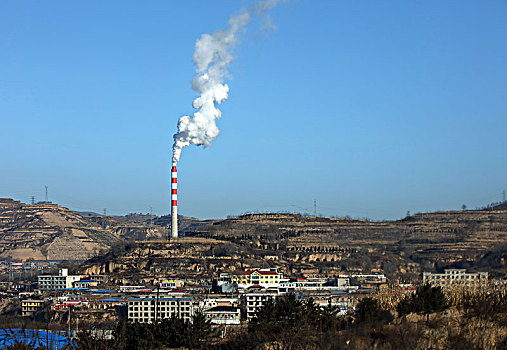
(156, 302)
(151, 216)
(46, 193)
(70, 310)
(11, 272)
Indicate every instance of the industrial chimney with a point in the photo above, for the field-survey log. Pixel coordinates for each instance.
(174, 203)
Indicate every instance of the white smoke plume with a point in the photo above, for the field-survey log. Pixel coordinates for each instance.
(212, 56)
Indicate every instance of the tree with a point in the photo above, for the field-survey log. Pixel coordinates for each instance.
(463, 207)
(199, 331)
(367, 310)
(426, 301)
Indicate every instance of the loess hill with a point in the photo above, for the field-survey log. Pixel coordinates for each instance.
(47, 231)
(473, 239)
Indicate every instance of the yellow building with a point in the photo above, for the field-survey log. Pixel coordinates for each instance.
(29, 307)
(257, 277)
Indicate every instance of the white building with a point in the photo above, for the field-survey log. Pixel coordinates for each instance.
(228, 315)
(453, 277)
(147, 309)
(131, 289)
(211, 302)
(256, 300)
(54, 282)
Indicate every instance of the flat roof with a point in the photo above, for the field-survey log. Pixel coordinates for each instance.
(160, 299)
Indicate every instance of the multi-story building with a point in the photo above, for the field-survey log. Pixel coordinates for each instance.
(453, 277)
(255, 300)
(262, 277)
(54, 282)
(29, 307)
(228, 315)
(148, 309)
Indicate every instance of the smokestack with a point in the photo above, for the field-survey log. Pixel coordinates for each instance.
(174, 203)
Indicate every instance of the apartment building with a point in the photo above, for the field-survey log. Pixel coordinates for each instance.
(255, 300)
(453, 277)
(148, 309)
(54, 282)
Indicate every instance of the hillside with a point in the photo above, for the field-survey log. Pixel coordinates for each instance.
(49, 231)
(312, 246)
(474, 238)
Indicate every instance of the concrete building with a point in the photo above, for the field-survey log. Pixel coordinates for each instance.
(224, 315)
(86, 283)
(255, 300)
(147, 309)
(54, 282)
(29, 307)
(454, 277)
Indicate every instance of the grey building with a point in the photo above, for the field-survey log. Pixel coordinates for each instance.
(149, 309)
(454, 277)
(54, 282)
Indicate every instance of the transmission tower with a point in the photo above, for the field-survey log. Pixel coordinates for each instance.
(314, 207)
(33, 200)
(503, 195)
(104, 219)
(151, 216)
(46, 194)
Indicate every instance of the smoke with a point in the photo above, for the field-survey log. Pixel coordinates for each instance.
(212, 56)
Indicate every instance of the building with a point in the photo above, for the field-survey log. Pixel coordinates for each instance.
(262, 277)
(131, 289)
(255, 300)
(86, 283)
(220, 315)
(30, 306)
(54, 282)
(454, 277)
(170, 283)
(148, 309)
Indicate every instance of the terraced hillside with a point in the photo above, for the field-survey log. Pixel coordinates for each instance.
(475, 238)
(49, 231)
(319, 246)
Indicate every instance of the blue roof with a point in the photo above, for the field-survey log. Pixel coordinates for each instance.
(112, 299)
(86, 281)
(32, 337)
(101, 291)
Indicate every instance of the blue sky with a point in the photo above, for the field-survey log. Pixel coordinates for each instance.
(371, 108)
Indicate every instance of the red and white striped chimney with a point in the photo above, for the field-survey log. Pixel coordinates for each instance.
(174, 203)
